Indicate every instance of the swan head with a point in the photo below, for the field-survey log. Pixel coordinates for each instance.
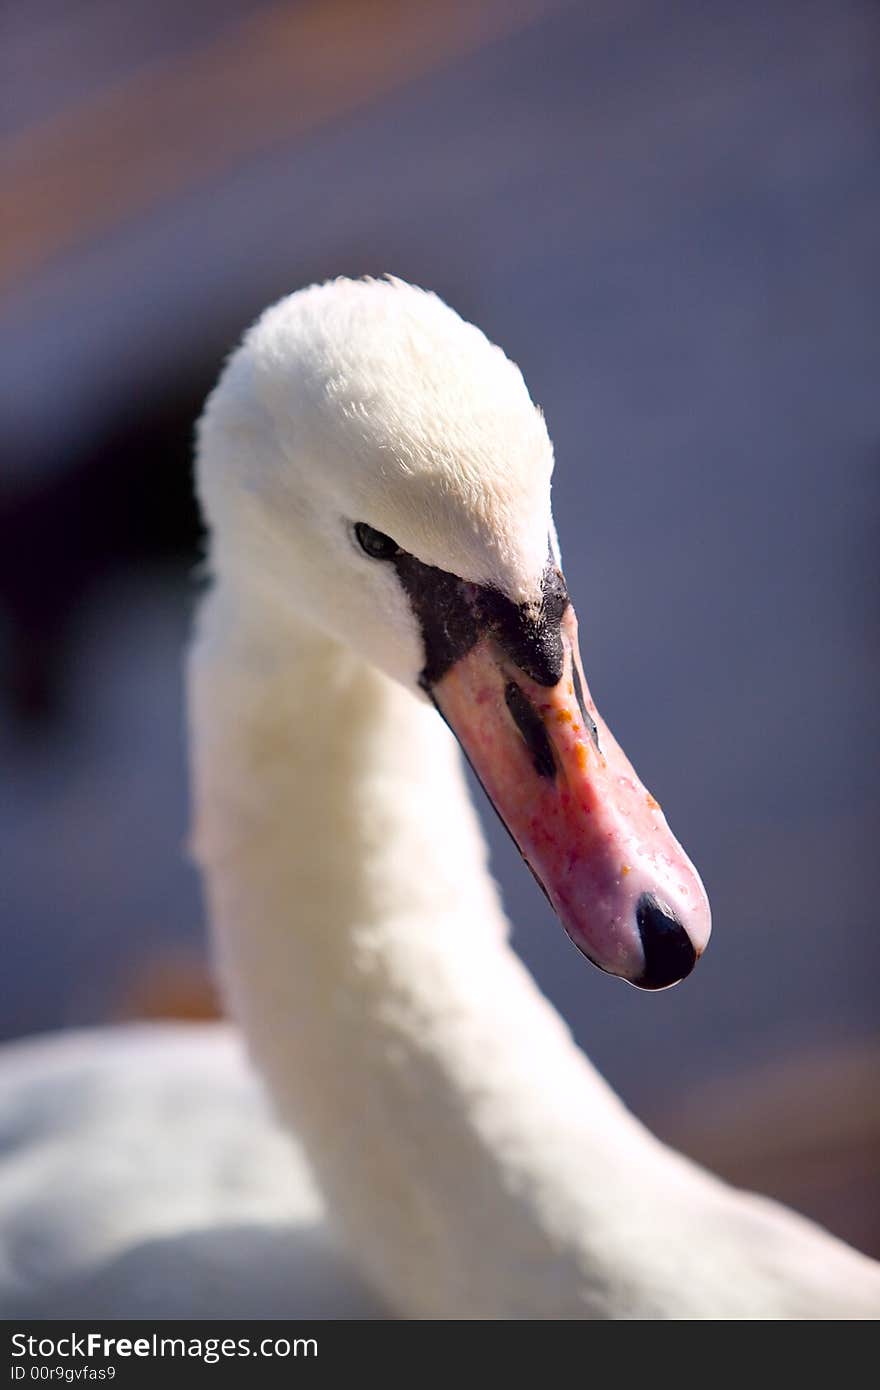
(374, 464)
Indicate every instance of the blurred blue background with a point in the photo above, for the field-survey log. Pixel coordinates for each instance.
(669, 215)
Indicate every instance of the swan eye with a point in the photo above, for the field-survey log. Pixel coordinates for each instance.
(375, 543)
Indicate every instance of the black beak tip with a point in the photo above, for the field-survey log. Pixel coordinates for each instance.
(669, 953)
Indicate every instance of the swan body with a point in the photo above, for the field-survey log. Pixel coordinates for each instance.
(470, 1160)
(103, 1217)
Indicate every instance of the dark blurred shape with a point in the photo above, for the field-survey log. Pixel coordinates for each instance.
(122, 499)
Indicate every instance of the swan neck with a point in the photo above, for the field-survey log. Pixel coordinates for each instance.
(447, 1113)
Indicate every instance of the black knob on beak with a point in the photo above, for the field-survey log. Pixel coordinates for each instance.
(669, 955)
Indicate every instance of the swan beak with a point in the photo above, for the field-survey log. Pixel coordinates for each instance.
(593, 836)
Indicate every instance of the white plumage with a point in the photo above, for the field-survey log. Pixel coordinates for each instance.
(472, 1162)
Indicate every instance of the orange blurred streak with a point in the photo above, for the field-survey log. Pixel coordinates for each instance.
(171, 986)
(275, 76)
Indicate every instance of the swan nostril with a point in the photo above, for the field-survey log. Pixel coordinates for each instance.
(669, 952)
(531, 726)
(589, 721)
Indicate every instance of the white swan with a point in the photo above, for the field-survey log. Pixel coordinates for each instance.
(377, 481)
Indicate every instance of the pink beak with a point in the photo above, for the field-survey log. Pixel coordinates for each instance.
(594, 837)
